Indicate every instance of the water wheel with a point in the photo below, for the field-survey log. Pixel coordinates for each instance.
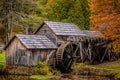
(65, 54)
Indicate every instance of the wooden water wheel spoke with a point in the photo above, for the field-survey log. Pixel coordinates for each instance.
(65, 57)
(67, 50)
(71, 48)
(65, 54)
(68, 57)
(75, 51)
(67, 67)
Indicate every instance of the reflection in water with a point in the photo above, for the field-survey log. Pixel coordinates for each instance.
(14, 77)
(90, 78)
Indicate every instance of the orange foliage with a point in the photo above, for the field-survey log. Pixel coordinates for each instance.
(105, 17)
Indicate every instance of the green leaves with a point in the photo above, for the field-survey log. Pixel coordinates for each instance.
(30, 13)
(75, 11)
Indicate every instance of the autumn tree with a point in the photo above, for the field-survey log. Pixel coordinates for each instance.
(105, 17)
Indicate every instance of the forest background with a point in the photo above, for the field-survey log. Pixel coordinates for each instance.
(24, 16)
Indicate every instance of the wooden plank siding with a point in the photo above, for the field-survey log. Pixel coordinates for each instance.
(45, 30)
(38, 55)
(12, 50)
(57, 39)
(18, 54)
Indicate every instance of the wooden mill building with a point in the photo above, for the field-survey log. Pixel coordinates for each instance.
(28, 49)
(56, 43)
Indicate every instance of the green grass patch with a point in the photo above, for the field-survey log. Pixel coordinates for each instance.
(119, 59)
(114, 70)
(40, 77)
(2, 59)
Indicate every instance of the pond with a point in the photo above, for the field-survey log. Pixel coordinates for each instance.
(14, 77)
(90, 78)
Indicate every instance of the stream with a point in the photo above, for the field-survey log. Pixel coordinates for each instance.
(90, 78)
(14, 77)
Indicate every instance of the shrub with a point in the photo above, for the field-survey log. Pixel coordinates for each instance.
(56, 72)
(42, 68)
(3, 70)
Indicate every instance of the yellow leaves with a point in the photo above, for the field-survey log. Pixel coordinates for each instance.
(105, 19)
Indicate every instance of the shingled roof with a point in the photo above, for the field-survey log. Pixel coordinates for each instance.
(61, 28)
(35, 42)
(93, 33)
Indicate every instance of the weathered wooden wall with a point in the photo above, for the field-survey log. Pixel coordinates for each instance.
(45, 30)
(40, 55)
(17, 54)
(12, 50)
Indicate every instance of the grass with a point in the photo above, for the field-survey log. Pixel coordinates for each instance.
(115, 70)
(40, 77)
(113, 67)
(2, 58)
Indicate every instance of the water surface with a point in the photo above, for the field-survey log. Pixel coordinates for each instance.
(14, 77)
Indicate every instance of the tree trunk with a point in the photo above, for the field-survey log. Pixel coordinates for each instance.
(8, 15)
